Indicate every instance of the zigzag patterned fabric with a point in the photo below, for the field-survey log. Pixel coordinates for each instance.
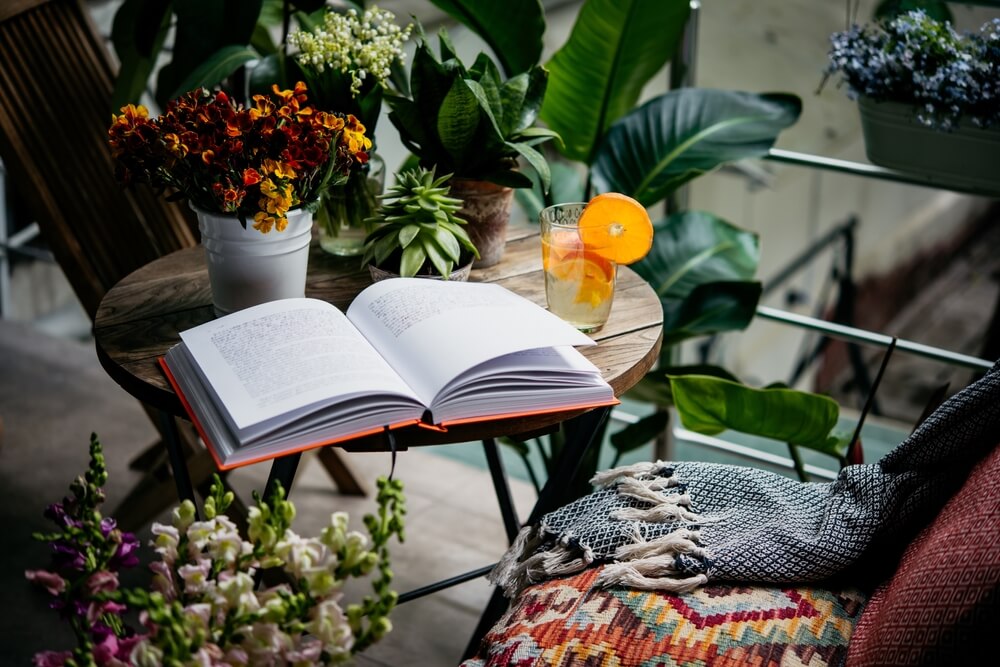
(569, 622)
(676, 526)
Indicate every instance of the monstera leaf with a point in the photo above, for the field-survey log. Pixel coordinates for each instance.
(680, 135)
(711, 405)
(512, 28)
(615, 47)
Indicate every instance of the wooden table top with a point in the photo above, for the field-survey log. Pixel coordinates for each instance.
(140, 318)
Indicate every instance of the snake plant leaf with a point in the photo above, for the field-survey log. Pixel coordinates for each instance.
(711, 405)
(615, 47)
(654, 387)
(216, 67)
(636, 435)
(490, 83)
(522, 96)
(537, 161)
(695, 247)
(406, 114)
(513, 29)
(710, 308)
(137, 32)
(489, 129)
(458, 119)
(681, 134)
(413, 258)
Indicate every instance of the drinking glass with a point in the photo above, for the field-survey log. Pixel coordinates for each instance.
(579, 282)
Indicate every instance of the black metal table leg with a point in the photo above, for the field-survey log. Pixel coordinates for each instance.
(282, 470)
(178, 464)
(502, 488)
(580, 437)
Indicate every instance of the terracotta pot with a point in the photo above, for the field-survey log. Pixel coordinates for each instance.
(461, 274)
(487, 210)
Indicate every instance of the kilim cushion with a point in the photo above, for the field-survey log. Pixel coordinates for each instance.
(942, 605)
(570, 623)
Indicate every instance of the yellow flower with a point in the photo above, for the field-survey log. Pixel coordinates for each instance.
(262, 222)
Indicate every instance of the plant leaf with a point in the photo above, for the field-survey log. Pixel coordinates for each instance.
(615, 47)
(711, 405)
(654, 387)
(710, 308)
(216, 67)
(458, 119)
(448, 243)
(407, 234)
(439, 260)
(137, 32)
(203, 28)
(638, 434)
(513, 28)
(537, 162)
(695, 247)
(567, 186)
(413, 259)
(679, 135)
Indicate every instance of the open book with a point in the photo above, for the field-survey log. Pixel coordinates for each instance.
(297, 373)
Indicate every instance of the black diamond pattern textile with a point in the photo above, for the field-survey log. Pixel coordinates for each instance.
(755, 525)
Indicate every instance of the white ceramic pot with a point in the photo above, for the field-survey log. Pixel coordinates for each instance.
(246, 268)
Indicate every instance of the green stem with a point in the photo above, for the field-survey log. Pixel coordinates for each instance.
(800, 468)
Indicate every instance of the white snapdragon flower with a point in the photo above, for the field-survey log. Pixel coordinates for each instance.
(361, 46)
(237, 592)
(329, 625)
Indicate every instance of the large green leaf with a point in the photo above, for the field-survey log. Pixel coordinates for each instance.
(710, 308)
(711, 405)
(679, 135)
(615, 47)
(694, 247)
(636, 435)
(216, 67)
(137, 33)
(654, 387)
(203, 28)
(512, 28)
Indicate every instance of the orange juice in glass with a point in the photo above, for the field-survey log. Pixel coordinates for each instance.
(579, 280)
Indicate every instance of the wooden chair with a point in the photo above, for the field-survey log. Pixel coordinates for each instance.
(56, 81)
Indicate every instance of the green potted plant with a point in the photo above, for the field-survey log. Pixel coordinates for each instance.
(472, 123)
(928, 96)
(418, 233)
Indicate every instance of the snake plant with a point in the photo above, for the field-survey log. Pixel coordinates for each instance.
(417, 227)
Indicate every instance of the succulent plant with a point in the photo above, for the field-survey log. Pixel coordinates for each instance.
(418, 228)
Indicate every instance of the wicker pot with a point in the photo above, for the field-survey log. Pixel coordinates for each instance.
(246, 268)
(487, 210)
(965, 157)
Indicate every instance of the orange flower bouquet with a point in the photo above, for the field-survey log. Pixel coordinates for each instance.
(256, 162)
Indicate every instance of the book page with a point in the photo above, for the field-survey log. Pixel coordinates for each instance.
(431, 331)
(274, 358)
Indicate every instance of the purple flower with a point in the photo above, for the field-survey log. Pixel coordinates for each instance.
(107, 525)
(50, 580)
(51, 658)
(127, 553)
(67, 556)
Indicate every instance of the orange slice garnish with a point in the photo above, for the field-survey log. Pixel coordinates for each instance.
(616, 227)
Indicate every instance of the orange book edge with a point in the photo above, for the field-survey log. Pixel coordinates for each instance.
(442, 427)
(263, 457)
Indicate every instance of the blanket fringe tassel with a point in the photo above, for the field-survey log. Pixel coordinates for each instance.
(642, 564)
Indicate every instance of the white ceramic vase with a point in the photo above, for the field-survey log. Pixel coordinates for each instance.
(246, 267)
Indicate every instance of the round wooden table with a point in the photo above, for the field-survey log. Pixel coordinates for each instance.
(140, 317)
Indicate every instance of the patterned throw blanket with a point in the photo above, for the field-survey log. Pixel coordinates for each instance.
(676, 526)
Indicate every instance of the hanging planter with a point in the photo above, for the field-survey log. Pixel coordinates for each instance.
(966, 156)
(246, 267)
(927, 95)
